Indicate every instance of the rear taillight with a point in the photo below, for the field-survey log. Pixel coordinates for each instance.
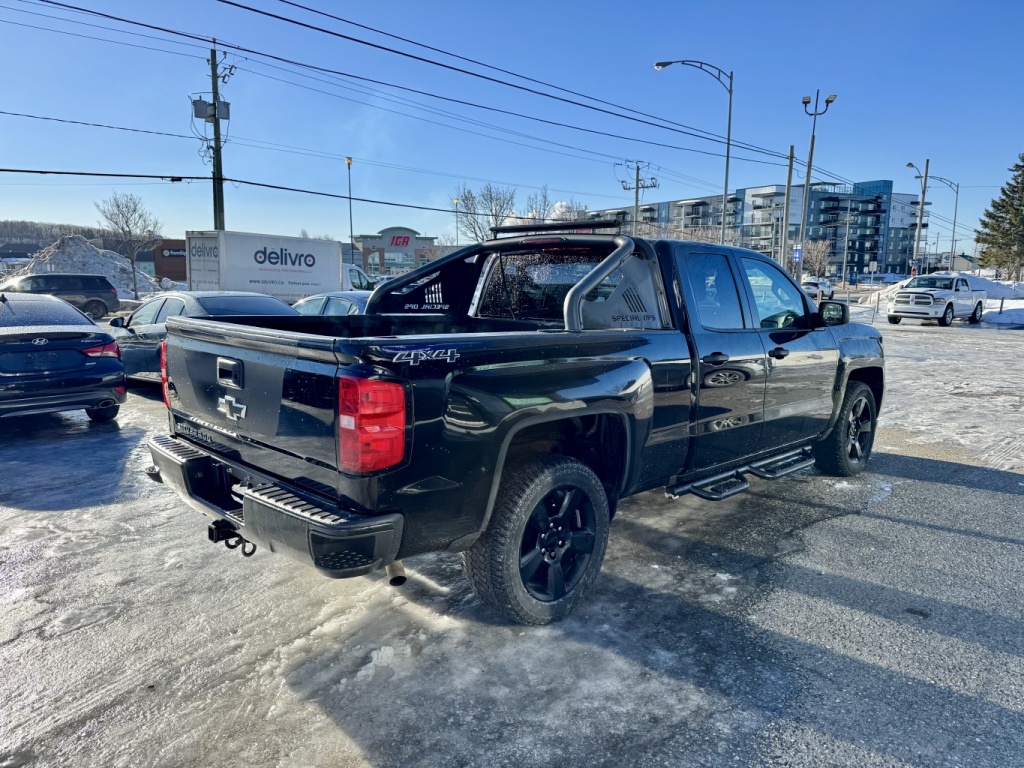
(105, 350)
(371, 424)
(163, 373)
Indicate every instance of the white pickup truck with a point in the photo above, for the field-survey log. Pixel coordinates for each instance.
(937, 297)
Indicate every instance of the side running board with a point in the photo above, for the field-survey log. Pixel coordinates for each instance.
(730, 483)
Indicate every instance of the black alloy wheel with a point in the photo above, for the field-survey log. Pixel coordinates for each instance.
(544, 544)
(845, 451)
(557, 543)
(859, 430)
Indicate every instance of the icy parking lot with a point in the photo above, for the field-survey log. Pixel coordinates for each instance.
(809, 622)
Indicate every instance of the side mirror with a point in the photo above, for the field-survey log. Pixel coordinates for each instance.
(117, 322)
(834, 313)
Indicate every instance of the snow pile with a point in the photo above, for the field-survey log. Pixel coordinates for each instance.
(1012, 314)
(993, 290)
(72, 254)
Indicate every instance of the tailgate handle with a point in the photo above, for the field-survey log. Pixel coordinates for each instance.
(229, 373)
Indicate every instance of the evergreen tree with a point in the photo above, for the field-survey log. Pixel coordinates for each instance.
(1001, 231)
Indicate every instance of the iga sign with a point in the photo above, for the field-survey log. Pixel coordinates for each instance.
(400, 241)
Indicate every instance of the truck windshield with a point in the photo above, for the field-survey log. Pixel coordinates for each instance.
(942, 283)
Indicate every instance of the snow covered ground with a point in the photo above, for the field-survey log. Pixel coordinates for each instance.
(809, 622)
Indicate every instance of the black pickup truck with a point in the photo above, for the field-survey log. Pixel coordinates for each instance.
(501, 400)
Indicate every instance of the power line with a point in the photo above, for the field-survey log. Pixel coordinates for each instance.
(98, 125)
(515, 74)
(248, 183)
(478, 75)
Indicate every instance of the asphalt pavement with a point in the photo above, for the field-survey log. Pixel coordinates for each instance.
(812, 621)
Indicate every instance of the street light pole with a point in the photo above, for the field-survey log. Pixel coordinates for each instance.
(810, 163)
(456, 202)
(726, 79)
(956, 206)
(351, 232)
(920, 210)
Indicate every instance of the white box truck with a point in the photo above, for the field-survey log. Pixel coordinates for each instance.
(289, 268)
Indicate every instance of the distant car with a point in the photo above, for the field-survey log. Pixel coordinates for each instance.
(93, 294)
(818, 289)
(334, 303)
(141, 332)
(53, 358)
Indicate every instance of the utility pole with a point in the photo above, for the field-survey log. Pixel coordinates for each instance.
(351, 232)
(846, 243)
(218, 169)
(784, 255)
(638, 184)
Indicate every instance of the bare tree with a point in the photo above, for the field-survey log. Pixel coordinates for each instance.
(568, 210)
(815, 255)
(134, 226)
(538, 207)
(478, 212)
(442, 246)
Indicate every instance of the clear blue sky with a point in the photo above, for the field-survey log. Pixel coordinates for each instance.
(915, 80)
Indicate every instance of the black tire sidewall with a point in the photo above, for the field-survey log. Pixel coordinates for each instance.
(102, 415)
(90, 305)
(551, 473)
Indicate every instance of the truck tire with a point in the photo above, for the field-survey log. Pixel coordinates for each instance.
(894, 320)
(96, 309)
(546, 540)
(846, 450)
(947, 317)
(976, 314)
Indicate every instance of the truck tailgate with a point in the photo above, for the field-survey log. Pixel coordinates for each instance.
(264, 398)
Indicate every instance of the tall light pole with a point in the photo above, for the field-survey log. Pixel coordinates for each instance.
(956, 205)
(810, 162)
(456, 202)
(351, 232)
(726, 80)
(920, 210)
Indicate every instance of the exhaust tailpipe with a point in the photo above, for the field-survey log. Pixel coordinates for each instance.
(106, 403)
(396, 573)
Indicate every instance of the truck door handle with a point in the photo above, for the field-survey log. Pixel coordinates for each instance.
(778, 353)
(715, 358)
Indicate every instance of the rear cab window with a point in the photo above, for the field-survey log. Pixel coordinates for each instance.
(532, 285)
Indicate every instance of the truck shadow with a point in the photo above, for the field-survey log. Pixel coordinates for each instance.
(667, 660)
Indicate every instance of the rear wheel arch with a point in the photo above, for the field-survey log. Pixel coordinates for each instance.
(874, 378)
(576, 436)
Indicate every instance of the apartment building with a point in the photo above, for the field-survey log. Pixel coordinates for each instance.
(867, 225)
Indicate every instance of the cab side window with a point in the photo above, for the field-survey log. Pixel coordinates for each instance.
(359, 282)
(146, 314)
(714, 291)
(171, 307)
(777, 301)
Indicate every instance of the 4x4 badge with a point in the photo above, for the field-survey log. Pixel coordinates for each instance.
(231, 408)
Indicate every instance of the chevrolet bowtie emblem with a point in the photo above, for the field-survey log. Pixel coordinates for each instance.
(231, 408)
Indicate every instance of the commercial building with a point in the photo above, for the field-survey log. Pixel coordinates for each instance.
(868, 226)
(394, 250)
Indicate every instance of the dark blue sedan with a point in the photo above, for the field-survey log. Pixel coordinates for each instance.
(54, 358)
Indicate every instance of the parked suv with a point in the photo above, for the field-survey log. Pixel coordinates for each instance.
(93, 294)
